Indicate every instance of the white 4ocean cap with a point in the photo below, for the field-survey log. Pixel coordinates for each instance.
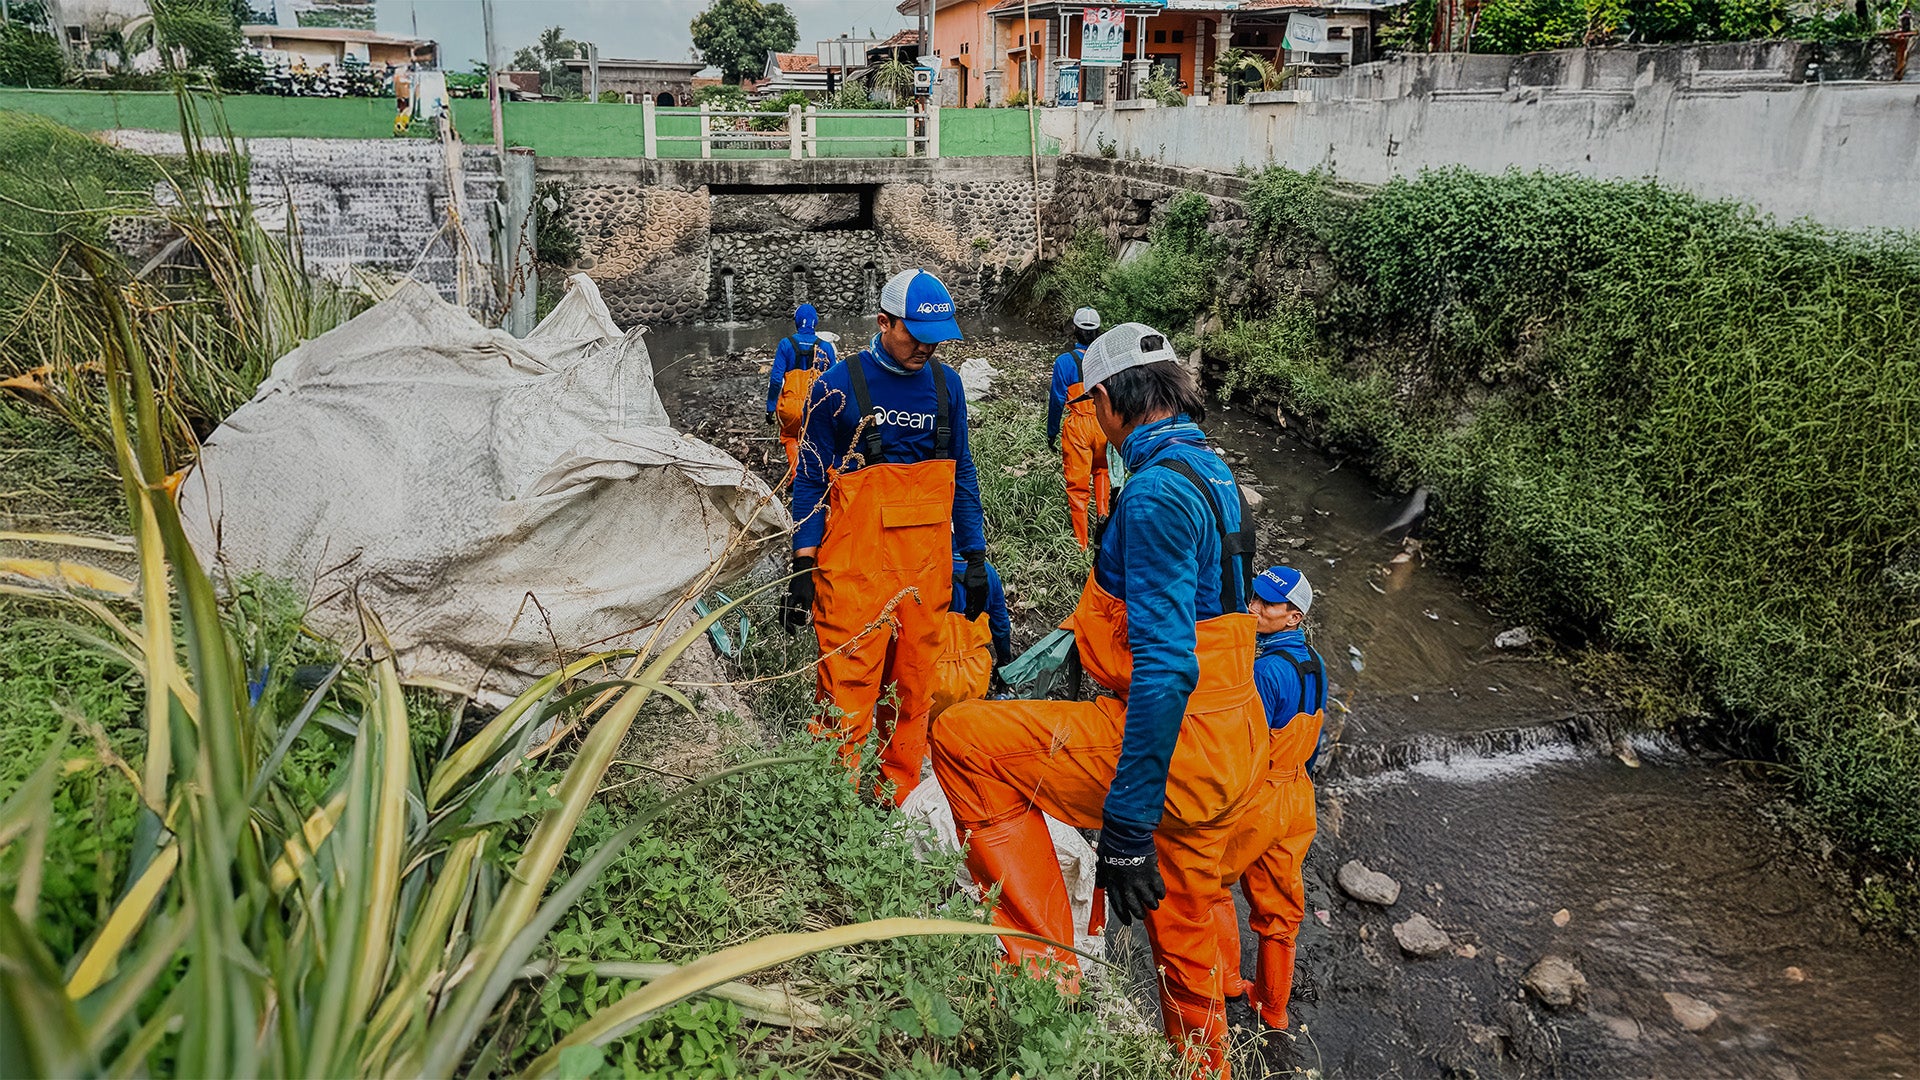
(1129, 345)
(924, 303)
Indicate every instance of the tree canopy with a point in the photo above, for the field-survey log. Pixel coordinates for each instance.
(547, 57)
(736, 35)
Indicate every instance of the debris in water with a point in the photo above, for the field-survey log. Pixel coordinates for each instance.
(1416, 697)
(1517, 638)
(1624, 750)
(1562, 917)
(1692, 1013)
(1466, 951)
(1431, 614)
(1254, 498)
(1367, 886)
(1411, 513)
(1325, 917)
(1355, 657)
(1794, 974)
(1555, 981)
(1420, 937)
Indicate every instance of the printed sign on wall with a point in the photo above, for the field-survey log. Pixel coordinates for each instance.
(1103, 36)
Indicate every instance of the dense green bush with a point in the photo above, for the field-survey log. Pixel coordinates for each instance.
(1165, 287)
(1648, 416)
(29, 56)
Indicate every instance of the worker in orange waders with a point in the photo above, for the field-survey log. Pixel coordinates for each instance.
(797, 361)
(971, 649)
(1072, 430)
(1271, 843)
(884, 494)
(1164, 769)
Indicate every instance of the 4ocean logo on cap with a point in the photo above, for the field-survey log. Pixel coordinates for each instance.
(931, 308)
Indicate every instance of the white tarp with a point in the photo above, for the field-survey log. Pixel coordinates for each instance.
(498, 503)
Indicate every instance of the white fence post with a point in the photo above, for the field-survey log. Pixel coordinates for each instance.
(813, 132)
(933, 130)
(706, 132)
(649, 130)
(913, 131)
(796, 133)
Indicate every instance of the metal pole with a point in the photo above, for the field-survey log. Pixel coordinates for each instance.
(493, 87)
(593, 67)
(1033, 137)
(516, 171)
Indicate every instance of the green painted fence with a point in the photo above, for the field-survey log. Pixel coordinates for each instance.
(550, 128)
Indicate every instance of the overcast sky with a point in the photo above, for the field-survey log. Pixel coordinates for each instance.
(628, 29)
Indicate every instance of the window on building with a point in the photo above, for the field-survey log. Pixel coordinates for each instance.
(1179, 36)
(1336, 33)
(1159, 37)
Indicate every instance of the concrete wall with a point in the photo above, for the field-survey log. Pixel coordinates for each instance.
(656, 235)
(549, 128)
(1716, 122)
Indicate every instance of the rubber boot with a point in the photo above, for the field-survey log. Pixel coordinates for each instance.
(1273, 983)
(1227, 919)
(1017, 855)
(1198, 1031)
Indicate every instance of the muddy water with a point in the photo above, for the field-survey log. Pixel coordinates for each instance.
(1491, 784)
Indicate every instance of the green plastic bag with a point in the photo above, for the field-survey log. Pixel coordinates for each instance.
(1049, 665)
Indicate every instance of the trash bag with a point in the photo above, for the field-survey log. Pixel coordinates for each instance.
(1049, 665)
(499, 504)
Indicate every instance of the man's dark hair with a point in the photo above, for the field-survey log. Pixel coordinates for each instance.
(1155, 388)
(1083, 336)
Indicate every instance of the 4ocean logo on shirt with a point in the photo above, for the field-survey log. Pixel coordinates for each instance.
(900, 418)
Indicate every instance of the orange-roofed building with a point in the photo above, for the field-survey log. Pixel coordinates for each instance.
(998, 49)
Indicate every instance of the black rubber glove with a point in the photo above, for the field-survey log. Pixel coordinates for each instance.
(1099, 529)
(797, 608)
(771, 420)
(1055, 444)
(1002, 656)
(975, 581)
(1132, 883)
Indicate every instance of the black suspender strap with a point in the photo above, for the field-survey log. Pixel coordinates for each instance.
(798, 345)
(1234, 584)
(872, 449)
(1079, 364)
(942, 414)
(1313, 666)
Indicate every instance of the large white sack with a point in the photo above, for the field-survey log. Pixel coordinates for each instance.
(927, 804)
(498, 503)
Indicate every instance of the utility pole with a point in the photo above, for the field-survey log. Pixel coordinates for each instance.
(493, 87)
(593, 71)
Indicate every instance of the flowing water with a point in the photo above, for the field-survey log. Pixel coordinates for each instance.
(1516, 815)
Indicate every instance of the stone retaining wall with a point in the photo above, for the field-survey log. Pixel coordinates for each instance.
(656, 235)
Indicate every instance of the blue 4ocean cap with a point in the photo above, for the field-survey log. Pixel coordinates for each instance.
(1284, 585)
(805, 318)
(926, 306)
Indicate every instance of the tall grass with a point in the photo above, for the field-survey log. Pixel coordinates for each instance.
(237, 293)
(1652, 418)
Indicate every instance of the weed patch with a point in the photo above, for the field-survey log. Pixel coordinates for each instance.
(1655, 419)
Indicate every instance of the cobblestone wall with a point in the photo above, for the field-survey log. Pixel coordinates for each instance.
(659, 236)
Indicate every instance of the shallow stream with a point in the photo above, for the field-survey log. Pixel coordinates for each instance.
(1497, 790)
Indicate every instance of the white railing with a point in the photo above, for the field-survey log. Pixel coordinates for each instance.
(799, 136)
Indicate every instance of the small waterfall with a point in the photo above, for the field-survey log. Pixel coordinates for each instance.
(726, 290)
(872, 298)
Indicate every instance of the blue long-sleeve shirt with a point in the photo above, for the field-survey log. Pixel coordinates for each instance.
(998, 623)
(905, 404)
(1161, 557)
(786, 358)
(1281, 689)
(1066, 372)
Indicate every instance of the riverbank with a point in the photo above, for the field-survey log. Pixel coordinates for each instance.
(1648, 423)
(1520, 808)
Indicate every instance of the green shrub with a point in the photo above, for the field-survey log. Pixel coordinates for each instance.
(1651, 417)
(29, 56)
(1165, 287)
